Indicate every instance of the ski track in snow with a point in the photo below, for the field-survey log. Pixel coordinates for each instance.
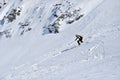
(35, 70)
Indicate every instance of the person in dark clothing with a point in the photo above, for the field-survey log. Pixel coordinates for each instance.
(79, 39)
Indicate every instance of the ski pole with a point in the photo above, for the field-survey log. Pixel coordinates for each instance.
(71, 42)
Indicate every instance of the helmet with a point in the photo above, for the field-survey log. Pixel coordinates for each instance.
(76, 35)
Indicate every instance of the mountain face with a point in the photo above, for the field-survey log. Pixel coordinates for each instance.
(37, 39)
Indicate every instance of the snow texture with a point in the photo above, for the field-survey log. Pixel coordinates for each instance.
(37, 40)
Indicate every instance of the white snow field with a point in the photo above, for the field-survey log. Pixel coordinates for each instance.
(37, 40)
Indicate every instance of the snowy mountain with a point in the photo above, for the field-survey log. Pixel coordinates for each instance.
(37, 40)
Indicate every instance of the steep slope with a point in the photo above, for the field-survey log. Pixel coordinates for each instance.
(31, 53)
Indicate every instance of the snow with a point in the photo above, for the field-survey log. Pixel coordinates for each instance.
(38, 55)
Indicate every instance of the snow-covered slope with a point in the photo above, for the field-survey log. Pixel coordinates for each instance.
(37, 43)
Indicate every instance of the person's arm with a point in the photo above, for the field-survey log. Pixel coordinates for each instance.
(76, 39)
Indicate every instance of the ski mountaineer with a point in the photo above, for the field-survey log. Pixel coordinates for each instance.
(79, 39)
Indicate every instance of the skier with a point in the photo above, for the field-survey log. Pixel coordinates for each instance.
(79, 39)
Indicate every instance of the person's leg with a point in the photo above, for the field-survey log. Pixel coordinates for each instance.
(81, 40)
(78, 42)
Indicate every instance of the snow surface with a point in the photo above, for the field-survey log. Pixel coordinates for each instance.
(38, 56)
